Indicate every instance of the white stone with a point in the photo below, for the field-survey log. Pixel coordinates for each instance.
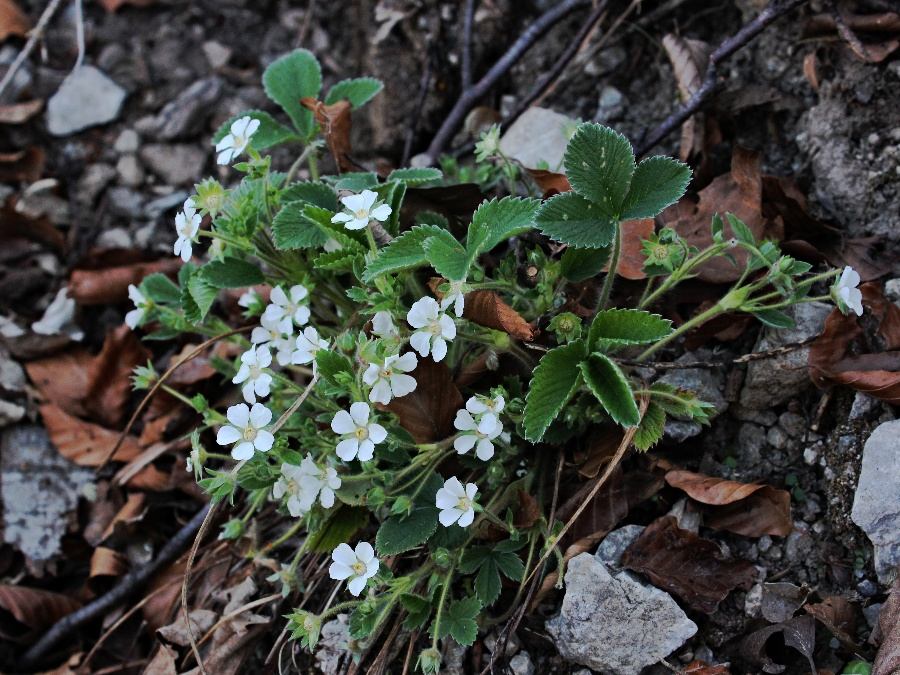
(539, 135)
(86, 98)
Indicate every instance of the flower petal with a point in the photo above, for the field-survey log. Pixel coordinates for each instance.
(264, 441)
(347, 449)
(406, 363)
(364, 552)
(260, 416)
(228, 435)
(356, 586)
(377, 433)
(238, 415)
(381, 212)
(242, 451)
(344, 554)
(444, 500)
(464, 421)
(360, 413)
(484, 450)
(368, 199)
(402, 385)
(421, 342)
(439, 349)
(381, 392)
(339, 571)
(464, 443)
(366, 450)
(342, 423)
(449, 516)
(466, 518)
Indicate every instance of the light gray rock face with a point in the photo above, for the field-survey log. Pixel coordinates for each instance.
(86, 98)
(176, 164)
(186, 114)
(614, 624)
(876, 506)
(707, 383)
(614, 544)
(540, 134)
(776, 380)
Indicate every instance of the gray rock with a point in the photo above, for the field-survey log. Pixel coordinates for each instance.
(863, 406)
(613, 546)
(876, 505)
(116, 237)
(12, 375)
(538, 135)
(611, 104)
(185, 115)
(124, 201)
(333, 649)
(10, 413)
(752, 441)
(614, 624)
(177, 164)
(521, 664)
(93, 181)
(777, 438)
(871, 613)
(764, 417)
(892, 287)
(795, 425)
(706, 383)
(679, 431)
(753, 601)
(160, 205)
(216, 53)
(776, 380)
(87, 98)
(130, 171)
(127, 142)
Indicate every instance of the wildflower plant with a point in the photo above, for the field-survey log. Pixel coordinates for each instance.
(396, 385)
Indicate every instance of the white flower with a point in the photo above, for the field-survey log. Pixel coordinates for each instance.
(358, 566)
(455, 297)
(456, 503)
(307, 344)
(187, 224)
(271, 330)
(141, 306)
(236, 142)
(358, 210)
(847, 291)
(476, 434)
(246, 430)
(256, 382)
(288, 305)
(359, 436)
(326, 480)
(247, 298)
(383, 325)
(300, 488)
(478, 405)
(389, 380)
(435, 328)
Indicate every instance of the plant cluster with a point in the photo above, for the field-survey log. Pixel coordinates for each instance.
(396, 346)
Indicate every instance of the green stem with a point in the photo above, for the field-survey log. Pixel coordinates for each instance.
(313, 166)
(701, 318)
(613, 266)
(338, 608)
(440, 608)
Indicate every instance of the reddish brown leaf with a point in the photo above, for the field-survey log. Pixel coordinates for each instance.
(882, 29)
(62, 379)
(35, 608)
(105, 562)
(113, 5)
(486, 308)
(528, 512)
(110, 286)
(335, 122)
(798, 633)
(598, 450)
(887, 635)
(13, 21)
(19, 113)
(428, 412)
(750, 509)
(631, 259)
(689, 59)
(191, 372)
(549, 182)
(682, 563)
(838, 615)
(703, 668)
(15, 225)
(84, 443)
(25, 165)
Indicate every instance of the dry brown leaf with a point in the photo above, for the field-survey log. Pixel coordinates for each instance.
(84, 443)
(811, 70)
(887, 635)
(19, 113)
(13, 21)
(163, 661)
(191, 372)
(682, 563)
(335, 122)
(689, 59)
(35, 608)
(15, 225)
(631, 259)
(703, 668)
(62, 378)
(798, 633)
(486, 308)
(750, 509)
(109, 286)
(24, 165)
(162, 594)
(105, 562)
(428, 412)
(549, 182)
(130, 513)
(838, 615)
(881, 32)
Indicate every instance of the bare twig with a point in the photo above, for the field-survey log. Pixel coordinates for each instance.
(746, 358)
(34, 36)
(131, 582)
(471, 96)
(775, 10)
(210, 512)
(466, 58)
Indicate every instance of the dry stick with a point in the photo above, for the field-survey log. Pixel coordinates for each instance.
(165, 376)
(34, 35)
(746, 358)
(466, 61)
(771, 13)
(63, 628)
(471, 96)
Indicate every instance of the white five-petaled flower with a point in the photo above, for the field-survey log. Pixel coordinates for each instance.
(454, 297)
(383, 325)
(479, 405)
(247, 298)
(271, 330)
(477, 434)
(390, 380)
(359, 436)
(358, 210)
(301, 489)
(358, 566)
(256, 382)
(434, 328)
(187, 224)
(236, 142)
(457, 503)
(288, 305)
(141, 306)
(246, 431)
(326, 480)
(848, 292)
(307, 344)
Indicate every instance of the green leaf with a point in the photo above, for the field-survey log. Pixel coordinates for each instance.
(341, 525)
(497, 220)
(447, 256)
(651, 428)
(599, 165)
(657, 183)
(740, 230)
(270, 132)
(297, 225)
(404, 252)
(774, 318)
(459, 623)
(579, 264)
(680, 403)
(553, 383)
(418, 609)
(487, 583)
(336, 261)
(331, 363)
(413, 177)
(232, 273)
(400, 534)
(356, 181)
(571, 219)
(619, 327)
(358, 90)
(607, 382)
(294, 76)
(315, 192)
(201, 295)
(366, 618)
(160, 289)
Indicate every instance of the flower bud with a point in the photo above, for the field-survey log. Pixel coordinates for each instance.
(441, 557)
(430, 661)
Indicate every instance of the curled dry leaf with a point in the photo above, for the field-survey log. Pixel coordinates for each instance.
(110, 285)
(750, 509)
(24, 165)
(335, 122)
(549, 182)
(13, 21)
(34, 608)
(682, 563)
(689, 59)
(428, 412)
(762, 650)
(19, 113)
(486, 308)
(631, 259)
(113, 5)
(838, 615)
(704, 668)
(887, 635)
(84, 443)
(105, 562)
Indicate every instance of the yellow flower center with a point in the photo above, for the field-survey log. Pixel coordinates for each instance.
(249, 434)
(464, 504)
(362, 214)
(254, 372)
(361, 433)
(358, 568)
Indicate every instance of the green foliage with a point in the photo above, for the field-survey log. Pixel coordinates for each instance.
(657, 182)
(358, 90)
(160, 289)
(316, 193)
(331, 364)
(416, 176)
(405, 252)
(447, 256)
(231, 273)
(680, 403)
(459, 622)
(581, 264)
(650, 430)
(599, 165)
(613, 328)
(553, 383)
(288, 79)
(497, 220)
(399, 534)
(571, 219)
(774, 318)
(490, 562)
(608, 383)
(300, 224)
(341, 525)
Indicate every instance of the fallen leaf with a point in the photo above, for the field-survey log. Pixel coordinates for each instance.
(881, 30)
(13, 21)
(682, 563)
(750, 509)
(811, 70)
(198, 369)
(35, 608)
(781, 599)
(130, 513)
(163, 661)
(24, 165)
(761, 649)
(84, 443)
(15, 225)
(528, 512)
(689, 59)
(113, 5)
(838, 615)
(703, 668)
(887, 634)
(428, 412)
(105, 562)
(335, 122)
(109, 286)
(162, 593)
(487, 308)
(455, 202)
(19, 113)
(176, 633)
(631, 258)
(549, 182)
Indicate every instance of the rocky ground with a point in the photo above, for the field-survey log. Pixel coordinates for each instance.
(92, 180)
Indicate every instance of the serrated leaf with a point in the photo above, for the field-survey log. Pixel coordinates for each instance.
(487, 583)
(270, 132)
(609, 384)
(336, 261)
(404, 252)
(202, 295)
(599, 165)
(740, 230)
(341, 525)
(356, 181)
(296, 226)
(580, 264)
(392, 193)
(231, 273)
(400, 534)
(418, 609)
(365, 620)
(414, 177)
(553, 383)
(658, 182)
(294, 76)
(497, 220)
(331, 363)
(651, 428)
(160, 289)
(571, 219)
(680, 403)
(619, 327)
(459, 623)
(357, 90)
(774, 318)
(447, 256)
(315, 192)
(509, 564)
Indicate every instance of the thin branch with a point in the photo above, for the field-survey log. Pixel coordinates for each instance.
(471, 96)
(34, 36)
(466, 58)
(746, 358)
(771, 13)
(135, 579)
